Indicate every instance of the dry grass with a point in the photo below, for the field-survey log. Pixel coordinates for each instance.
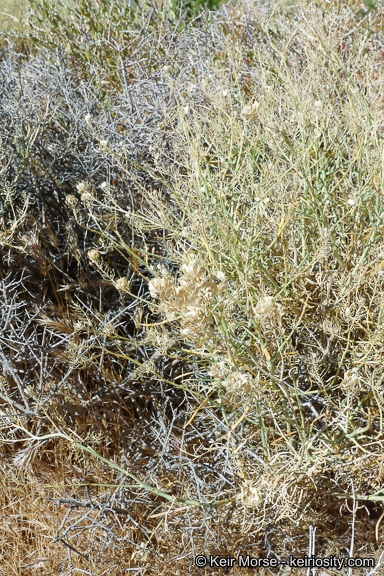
(191, 275)
(12, 14)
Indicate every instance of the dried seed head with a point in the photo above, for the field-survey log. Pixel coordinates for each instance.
(237, 382)
(250, 494)
(158, 287)
(220, 369)
(186, 299)
(122, 284)
(93, 255)
(250, 112)
(267, 311)
(350, 381)
(81, 187)
(71, 200)
(86, 197)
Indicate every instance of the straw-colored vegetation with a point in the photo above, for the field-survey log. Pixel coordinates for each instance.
(12, 14)
(192, 288)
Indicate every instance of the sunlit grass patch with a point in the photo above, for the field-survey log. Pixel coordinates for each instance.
(12, 14)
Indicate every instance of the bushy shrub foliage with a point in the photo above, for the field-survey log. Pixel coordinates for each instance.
(191, 277)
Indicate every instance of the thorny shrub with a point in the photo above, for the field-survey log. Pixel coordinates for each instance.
(192, 286)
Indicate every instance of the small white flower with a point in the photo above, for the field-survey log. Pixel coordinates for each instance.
(155, 285)
(122, 284)
(103, 185)
(250, 494)
(87, 119)
(103, 144)
(86, 197)
(351, 202)
(81, 187)
(225, 93)
(220, 369)
(186, 109)
(350, 381)
(237, 382)
(71, 200)
(267, 311)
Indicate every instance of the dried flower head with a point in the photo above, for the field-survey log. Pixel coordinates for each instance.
(77, 326)
(122, 284)
(159, 287)
(350, 381)
(86, 197)
(221, 276)
(250, 112)
(29, 391)
(93, 255)
(186, 300)
(250, 494)
(71, 200)
(220, 369)
(81, 187)
(267, 312)
(237, 383)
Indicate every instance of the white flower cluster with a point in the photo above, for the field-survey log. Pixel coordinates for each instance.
(159, 339)
(83, 190)
(187, 301)
(122, 284)
(220, 369)
(238, 383)
(250, 494)
(351, 381)
(71, 200)
(267, 312)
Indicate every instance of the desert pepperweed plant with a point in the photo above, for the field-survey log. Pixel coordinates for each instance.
(192, 288)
